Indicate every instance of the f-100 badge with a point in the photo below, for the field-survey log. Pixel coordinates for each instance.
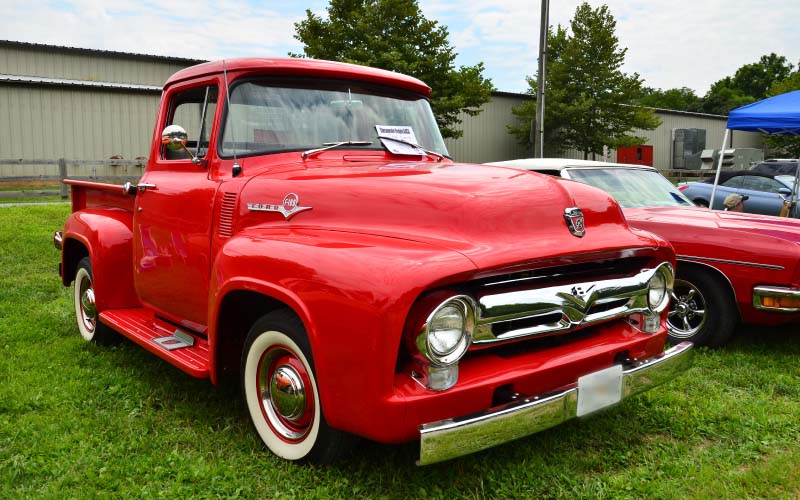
(289, 207)
(574, 218)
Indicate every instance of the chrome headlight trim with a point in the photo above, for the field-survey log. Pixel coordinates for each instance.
(466, 306)
(666, 275)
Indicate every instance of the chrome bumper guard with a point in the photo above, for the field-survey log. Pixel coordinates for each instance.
(760, 292)
(455, 437)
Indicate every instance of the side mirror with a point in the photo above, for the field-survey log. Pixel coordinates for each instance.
(174, 138)
(784, 191)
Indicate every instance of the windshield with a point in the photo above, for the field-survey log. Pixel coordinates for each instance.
(632, 187)
(271, 116)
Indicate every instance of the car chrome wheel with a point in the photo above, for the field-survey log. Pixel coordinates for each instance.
(687, 312)
(86, 309)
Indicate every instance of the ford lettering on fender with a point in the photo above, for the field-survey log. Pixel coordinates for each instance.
(300, 229)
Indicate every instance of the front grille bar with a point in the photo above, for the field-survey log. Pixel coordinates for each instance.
(525, 313)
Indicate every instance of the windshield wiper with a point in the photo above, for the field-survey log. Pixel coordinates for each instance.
(439, 157)
(331, 145)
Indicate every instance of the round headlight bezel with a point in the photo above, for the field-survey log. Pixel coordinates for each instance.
(664, 277)
(426, 341)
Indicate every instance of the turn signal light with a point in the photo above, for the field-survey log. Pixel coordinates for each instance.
(780, 302)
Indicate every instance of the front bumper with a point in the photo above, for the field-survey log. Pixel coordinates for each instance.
(763, 294)
(454, 437)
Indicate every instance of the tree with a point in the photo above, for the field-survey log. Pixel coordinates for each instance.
(588, 98)
(394, 35)
(784, 145)
(750, 83)
(680, 99)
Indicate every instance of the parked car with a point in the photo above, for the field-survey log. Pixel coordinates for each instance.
(311, 239)
(777, 166)
(732, 266)
(766, 192)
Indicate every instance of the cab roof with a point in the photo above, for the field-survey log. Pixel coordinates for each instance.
(300, 67)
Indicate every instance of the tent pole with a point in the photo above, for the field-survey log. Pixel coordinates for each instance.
(719, 167)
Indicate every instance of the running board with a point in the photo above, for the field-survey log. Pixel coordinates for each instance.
(185, 351)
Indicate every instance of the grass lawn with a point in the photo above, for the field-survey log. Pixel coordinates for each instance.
(81, 421)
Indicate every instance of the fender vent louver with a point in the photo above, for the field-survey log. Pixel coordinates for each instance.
(226, 215)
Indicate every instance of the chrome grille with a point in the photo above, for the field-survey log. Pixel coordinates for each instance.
(555, 309)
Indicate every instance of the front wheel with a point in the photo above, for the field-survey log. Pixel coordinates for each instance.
(85, 308)
(702, 309)
(281, 393)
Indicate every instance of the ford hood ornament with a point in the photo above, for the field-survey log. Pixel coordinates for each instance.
(289, 207)
(574, 218)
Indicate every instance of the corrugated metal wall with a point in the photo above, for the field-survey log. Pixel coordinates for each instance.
(41, 122)
(99, 66)
(486, 137)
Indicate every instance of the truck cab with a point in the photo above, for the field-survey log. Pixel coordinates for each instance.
(300, 229)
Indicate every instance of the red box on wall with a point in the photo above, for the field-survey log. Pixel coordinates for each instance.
(638, 155)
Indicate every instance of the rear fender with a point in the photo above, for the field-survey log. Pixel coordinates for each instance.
(107, 235)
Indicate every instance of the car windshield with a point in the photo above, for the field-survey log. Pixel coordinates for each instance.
(787, 180)
(272, 116)
(632, 187)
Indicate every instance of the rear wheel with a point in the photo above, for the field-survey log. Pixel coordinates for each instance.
(85, 307)
(280, 389)
(702, 309)
(701, 203)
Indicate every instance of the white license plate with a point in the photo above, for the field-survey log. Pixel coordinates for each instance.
(599, 390)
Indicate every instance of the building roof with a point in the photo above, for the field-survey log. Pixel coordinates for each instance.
(42, 46)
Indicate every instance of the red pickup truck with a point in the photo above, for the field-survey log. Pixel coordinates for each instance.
(300, 228)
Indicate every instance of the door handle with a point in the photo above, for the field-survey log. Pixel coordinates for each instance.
(129, 188)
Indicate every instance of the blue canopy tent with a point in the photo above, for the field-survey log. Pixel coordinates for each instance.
(778, 115)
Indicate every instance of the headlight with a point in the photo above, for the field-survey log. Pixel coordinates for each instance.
(659, 288)
(448, 332)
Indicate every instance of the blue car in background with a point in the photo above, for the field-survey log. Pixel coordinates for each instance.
(766, 193)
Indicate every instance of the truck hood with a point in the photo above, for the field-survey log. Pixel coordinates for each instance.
(495, 216)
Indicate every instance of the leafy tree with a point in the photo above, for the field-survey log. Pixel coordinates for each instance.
(784, 145)
(394, 35)
(679, 99)
(750, 83)
(588, 97)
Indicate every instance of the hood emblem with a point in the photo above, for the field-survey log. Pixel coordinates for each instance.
(574, 218)
(289, 207)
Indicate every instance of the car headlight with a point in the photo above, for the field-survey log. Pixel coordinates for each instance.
(448, 332)
(659, 288)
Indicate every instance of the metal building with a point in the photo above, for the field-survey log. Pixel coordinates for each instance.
(82, 104)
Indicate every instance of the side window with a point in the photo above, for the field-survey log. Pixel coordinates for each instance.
(762, 184)
(733, 182)
(193, 110)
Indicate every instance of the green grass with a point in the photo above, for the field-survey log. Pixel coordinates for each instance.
(81, 421)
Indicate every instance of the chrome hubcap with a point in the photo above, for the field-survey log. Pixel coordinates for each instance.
(687, 313)
(285, 394)
(88, 308)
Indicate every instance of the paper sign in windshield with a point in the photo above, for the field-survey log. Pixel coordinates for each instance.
(398, 139)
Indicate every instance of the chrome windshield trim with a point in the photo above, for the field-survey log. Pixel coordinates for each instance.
(564, 307)
(734, 262)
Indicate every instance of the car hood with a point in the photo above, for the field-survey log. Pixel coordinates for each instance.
(495, 216)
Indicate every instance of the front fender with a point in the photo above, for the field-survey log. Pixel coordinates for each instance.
(352, 292)
(107, 234)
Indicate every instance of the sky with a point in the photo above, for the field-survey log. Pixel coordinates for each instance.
(680, 43)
